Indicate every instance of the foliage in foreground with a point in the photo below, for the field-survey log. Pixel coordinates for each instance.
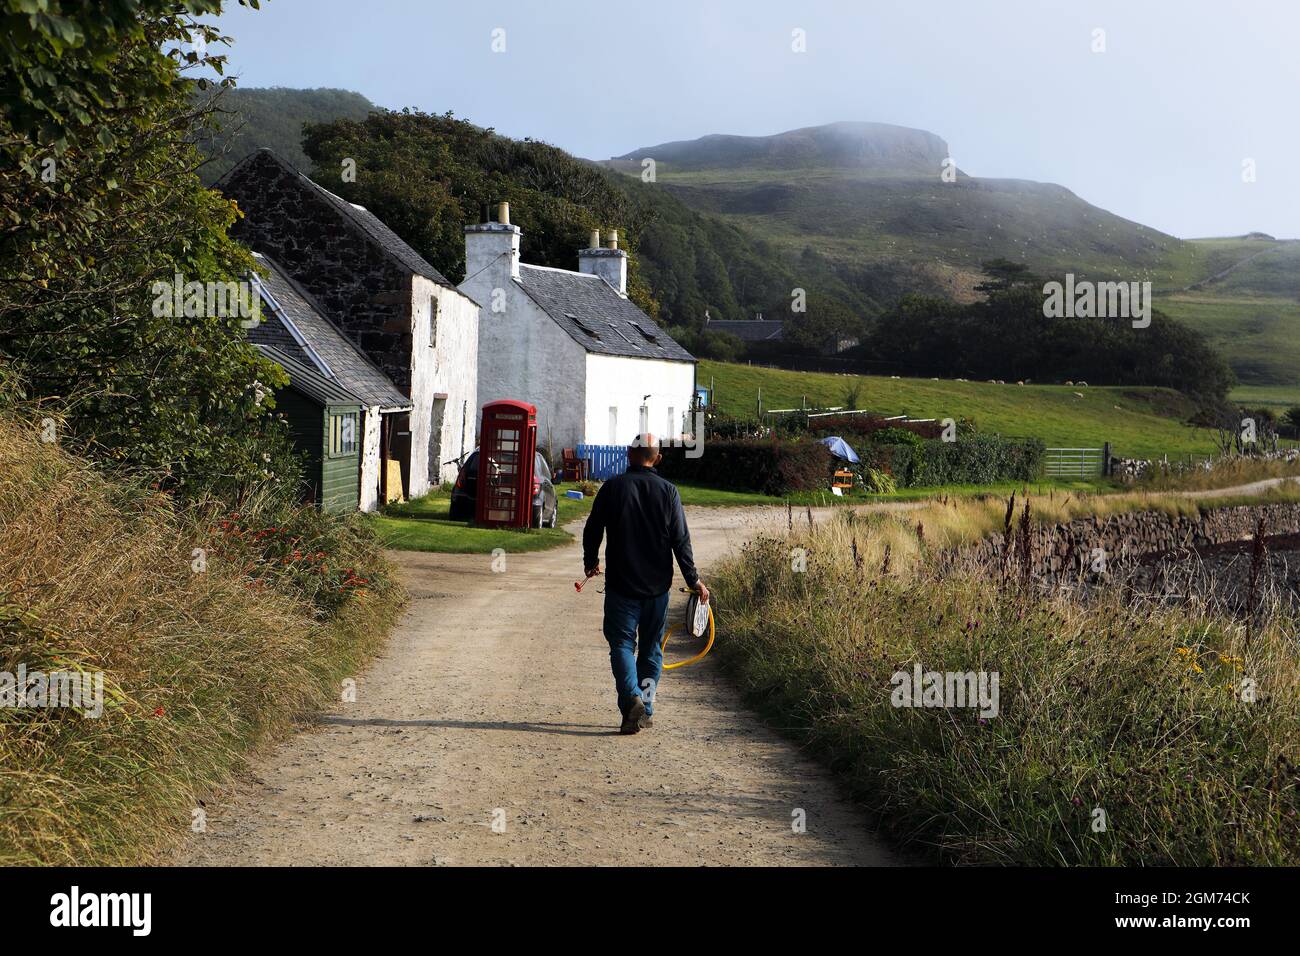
(200, 666)
(100, 200)
(1117, 706)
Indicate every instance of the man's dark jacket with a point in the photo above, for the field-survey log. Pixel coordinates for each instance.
(642, 513)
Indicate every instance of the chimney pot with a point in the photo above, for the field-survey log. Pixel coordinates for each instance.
(595, 239)
(503, 213)
(613, 238)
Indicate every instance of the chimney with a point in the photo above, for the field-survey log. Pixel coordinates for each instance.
(608, 263)
(492, 246)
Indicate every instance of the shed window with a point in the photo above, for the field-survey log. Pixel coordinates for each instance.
(433, 321)
(343, 434)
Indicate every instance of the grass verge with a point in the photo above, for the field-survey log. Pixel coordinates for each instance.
(425, 524)
(202, 662)
(1119, 712)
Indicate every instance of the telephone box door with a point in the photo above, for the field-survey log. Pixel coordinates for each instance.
(507, 445)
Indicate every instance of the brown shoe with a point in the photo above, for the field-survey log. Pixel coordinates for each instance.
(635, 718)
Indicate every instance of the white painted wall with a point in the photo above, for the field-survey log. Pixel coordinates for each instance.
(370, 459)
(524, 355)
(449, 367)
(615, 381)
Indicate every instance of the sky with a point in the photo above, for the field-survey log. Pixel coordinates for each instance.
(1185, 120)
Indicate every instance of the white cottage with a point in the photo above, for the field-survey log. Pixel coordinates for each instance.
(598, 368)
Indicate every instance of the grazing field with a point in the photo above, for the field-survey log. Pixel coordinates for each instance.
(1258, 335)
(1138, 422)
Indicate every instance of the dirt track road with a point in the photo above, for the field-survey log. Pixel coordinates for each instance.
(494, 702)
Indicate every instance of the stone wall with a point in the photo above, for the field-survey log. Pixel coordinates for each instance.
(361, 288)
(1066, 551)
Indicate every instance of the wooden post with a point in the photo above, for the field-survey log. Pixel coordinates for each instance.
(1105, 460)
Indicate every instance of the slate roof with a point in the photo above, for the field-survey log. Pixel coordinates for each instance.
(748, 330)
(307, 380)
(295, 326)
(360, 218)
(597, 317)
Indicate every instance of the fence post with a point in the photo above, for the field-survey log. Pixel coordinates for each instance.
(1105, 460)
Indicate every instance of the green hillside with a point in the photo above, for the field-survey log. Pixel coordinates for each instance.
(1138, 422)
(274, 118)
(1249, 309)
(869, 197)
(867, 200)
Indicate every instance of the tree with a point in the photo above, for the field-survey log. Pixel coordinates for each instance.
(1002, 275)
(101, 201)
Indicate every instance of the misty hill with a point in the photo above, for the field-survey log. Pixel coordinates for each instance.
(865, 146)
(863, 193)
(274, 117)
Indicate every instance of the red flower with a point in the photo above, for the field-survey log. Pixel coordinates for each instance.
(158, 711)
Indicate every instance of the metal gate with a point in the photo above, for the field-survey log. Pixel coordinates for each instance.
(1074, 462)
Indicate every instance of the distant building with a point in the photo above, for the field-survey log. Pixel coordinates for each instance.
(761, 331)
(749, 331)
(599, 370)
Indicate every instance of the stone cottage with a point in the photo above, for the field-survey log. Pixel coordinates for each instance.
(598, 368)
(402, 314)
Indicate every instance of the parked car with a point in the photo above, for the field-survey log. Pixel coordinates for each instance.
(546, 504)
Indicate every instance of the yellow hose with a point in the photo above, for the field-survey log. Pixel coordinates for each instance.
(697, 657)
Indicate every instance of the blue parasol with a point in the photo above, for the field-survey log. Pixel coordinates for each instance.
(840, 449)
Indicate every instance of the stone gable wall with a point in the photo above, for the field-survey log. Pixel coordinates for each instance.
(363, 291)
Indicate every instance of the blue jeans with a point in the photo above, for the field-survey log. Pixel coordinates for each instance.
(636, 674)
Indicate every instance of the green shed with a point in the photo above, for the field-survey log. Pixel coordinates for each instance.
(325, 424)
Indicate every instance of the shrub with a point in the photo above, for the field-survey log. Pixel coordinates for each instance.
(973, 460)
(767, 466)
(868, 426)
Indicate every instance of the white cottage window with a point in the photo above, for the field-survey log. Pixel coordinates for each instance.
(433, 321)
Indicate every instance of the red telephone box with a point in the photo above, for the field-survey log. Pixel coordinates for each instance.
(506, 450)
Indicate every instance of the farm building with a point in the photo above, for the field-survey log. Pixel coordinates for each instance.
(397, 310)
(324, 422)
(599, 370)
(295, 326)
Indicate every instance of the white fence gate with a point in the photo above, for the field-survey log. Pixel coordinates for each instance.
(1075, 462)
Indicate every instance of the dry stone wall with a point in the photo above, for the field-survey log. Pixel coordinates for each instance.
(1066, 551)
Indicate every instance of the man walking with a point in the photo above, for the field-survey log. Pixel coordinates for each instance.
(642, 514)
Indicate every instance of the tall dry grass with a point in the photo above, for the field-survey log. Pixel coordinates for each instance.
(952, 522)
(200, 668)
(1126, 707)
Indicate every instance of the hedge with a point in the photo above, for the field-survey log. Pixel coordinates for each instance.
(866, 426)
(972, 460)
(768, 466)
